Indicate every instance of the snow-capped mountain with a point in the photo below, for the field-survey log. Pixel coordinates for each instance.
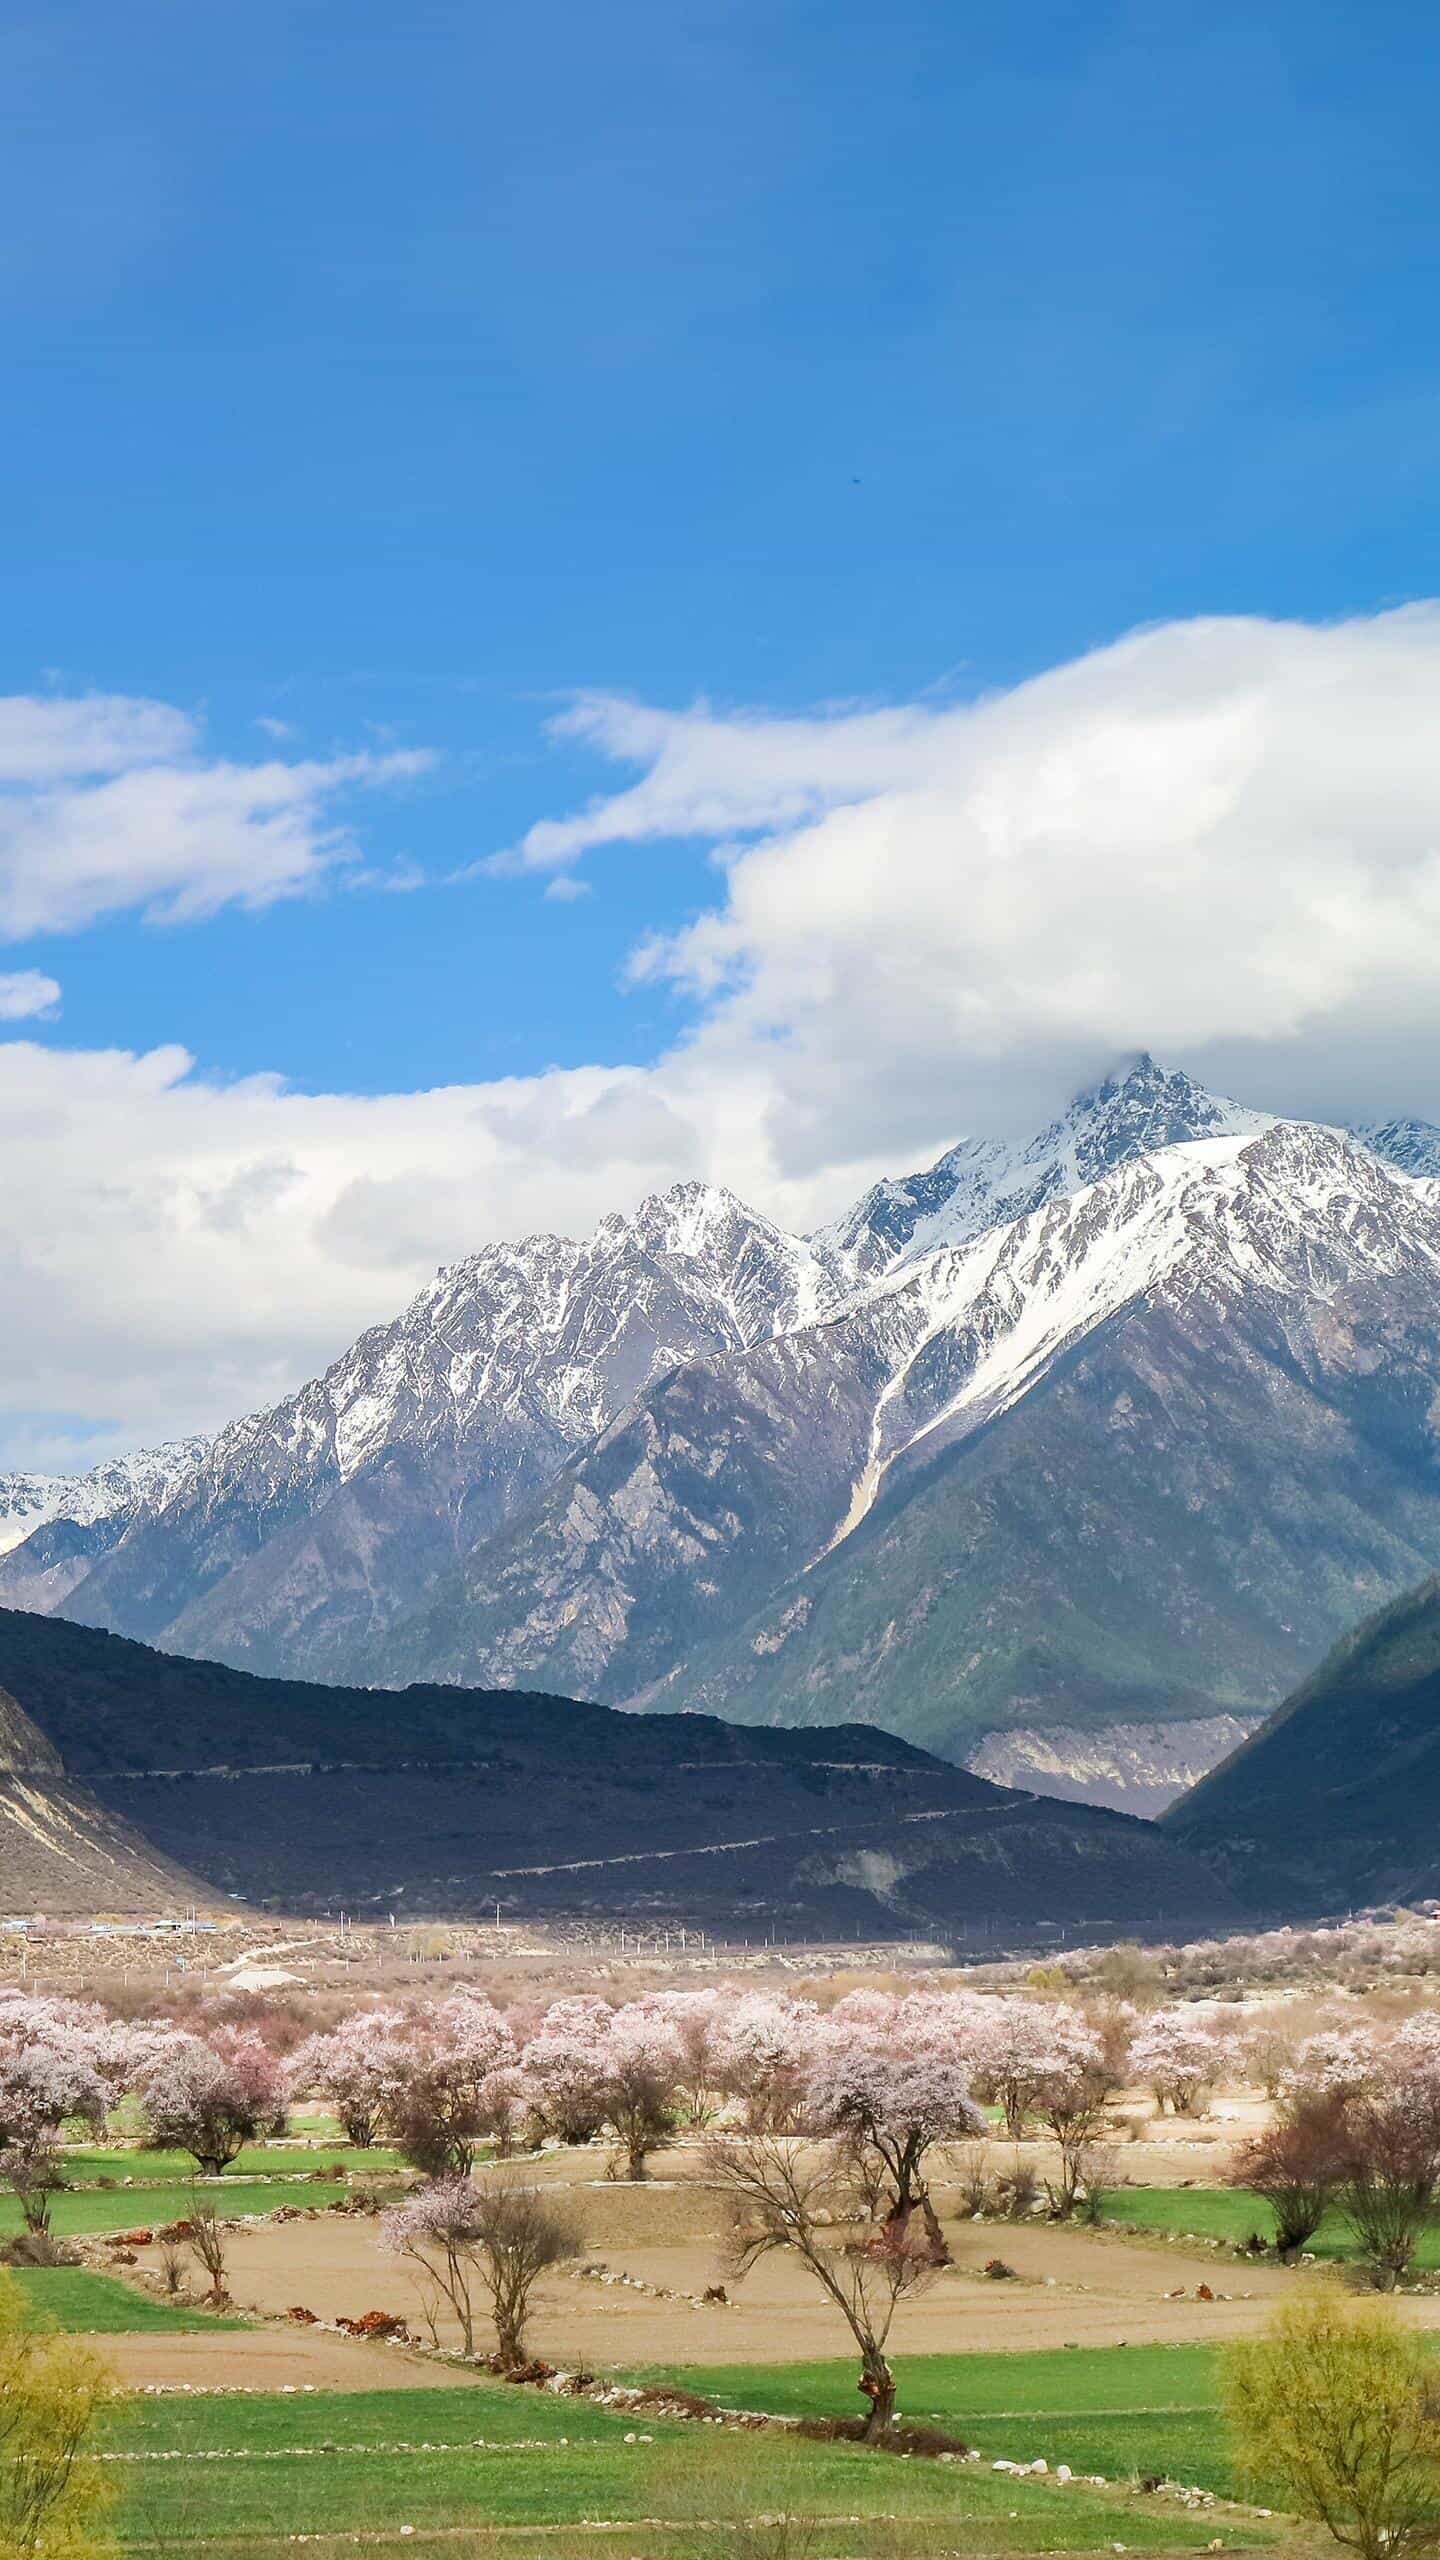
(1119, 1454)
(987, 1182)
(1413, 1145)
(55, 1529)
(981, 1456)
(28, 1502)
(302, 1532)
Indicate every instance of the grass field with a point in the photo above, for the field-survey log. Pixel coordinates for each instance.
(1227, 2213)
(86, 2162)
(77, 2299)
(264, 2468)
(83, 2209)
(1128, 2412)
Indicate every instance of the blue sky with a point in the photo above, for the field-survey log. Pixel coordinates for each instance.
(390, 375)
(393, 371)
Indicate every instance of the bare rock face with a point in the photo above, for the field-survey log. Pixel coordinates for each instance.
(1103, 1434)
(1128, 1460)
(1137, 1768)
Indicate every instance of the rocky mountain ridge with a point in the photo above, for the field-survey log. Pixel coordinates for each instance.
(869, 1509)
(699, 1461)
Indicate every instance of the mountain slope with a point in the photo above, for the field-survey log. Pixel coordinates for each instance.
(61, 1850)
(1117, 1460)
(898, 1467)
(304, 1531)
(1335, 1801)
(54, 1529)
(451, 1800)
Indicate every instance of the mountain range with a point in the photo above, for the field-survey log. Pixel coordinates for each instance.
(1063, 1458)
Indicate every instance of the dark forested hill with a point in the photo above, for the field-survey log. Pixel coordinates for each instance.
(448, 1800)
(1335, 1801)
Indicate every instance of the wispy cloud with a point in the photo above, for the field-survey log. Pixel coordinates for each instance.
(108, 804)
(27, 995)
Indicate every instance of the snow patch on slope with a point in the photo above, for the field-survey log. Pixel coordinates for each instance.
(147, 1476)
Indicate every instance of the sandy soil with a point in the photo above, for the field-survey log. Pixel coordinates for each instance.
(1070, 2284)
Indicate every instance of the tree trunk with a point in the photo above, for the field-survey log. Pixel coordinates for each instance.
(877, 2382)
(898, 2221)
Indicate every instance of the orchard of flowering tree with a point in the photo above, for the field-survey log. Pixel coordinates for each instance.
(845, 2137)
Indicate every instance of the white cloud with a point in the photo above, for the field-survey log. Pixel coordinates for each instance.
(107, 804)
(1215, 837)
(46, 739)
(175, 1251)
(1219, 840)
(712, 775)
(27, 995)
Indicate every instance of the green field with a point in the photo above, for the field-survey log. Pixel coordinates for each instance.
(1127, 2412)
(265, 2468)
(77, 2299)
(87, 2162)
(83, 2209)
(1228, 2213)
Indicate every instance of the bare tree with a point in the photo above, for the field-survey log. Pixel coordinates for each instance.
(207, 2238)
(1297, 2166)
(784, 2199)
(435, 2229)
(520, 2233)
(34, 2172)
(458, 2235)
(1392, 2174)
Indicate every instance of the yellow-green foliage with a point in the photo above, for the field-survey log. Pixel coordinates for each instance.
(1330, 2415)
(52, 2502)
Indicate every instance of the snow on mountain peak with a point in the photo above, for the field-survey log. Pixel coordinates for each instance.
(984, 1182)
(1411, 1145)
(969, 1325)
(30, 1501)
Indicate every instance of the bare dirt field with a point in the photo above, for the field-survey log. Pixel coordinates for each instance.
(1069, 2285)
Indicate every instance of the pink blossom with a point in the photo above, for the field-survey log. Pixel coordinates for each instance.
(358, 2068)
(564, 2066)
(1179, 2057)
(894, 2087)
(211, 2102)
(767, 2045)
(1339, 2062)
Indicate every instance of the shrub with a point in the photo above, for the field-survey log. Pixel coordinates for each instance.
(1329, 2409)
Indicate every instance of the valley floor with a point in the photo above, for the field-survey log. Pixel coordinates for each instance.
(239, 2437)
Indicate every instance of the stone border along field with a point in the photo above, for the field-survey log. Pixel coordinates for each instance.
(257, 2466)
